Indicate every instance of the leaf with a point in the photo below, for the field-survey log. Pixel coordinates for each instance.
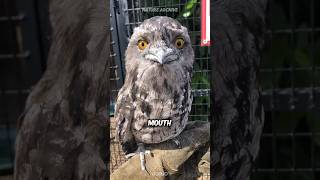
(188, 9)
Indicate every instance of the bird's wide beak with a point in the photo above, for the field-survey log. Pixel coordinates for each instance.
(161, 56)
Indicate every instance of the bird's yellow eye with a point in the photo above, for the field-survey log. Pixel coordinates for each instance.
(142, 44)
(179, 43)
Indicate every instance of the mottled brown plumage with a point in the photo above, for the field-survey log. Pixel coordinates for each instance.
(238, 29)
(157, 83)
(64, 126)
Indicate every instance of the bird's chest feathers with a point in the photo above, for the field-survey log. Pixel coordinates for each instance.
(158, 92)
(161, 79)
(158, 99)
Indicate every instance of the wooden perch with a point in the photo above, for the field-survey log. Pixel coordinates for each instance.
(166, 160)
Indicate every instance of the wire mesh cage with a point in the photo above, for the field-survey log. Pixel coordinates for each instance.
(290, 79)
(23, 50)
(134, 12)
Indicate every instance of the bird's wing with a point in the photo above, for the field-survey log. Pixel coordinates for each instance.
(238, 112)
(64, 121)
(123, 115)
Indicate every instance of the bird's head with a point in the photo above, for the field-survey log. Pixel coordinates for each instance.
(160, 41)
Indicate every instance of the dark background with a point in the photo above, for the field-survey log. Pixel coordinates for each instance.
(24, 44)
(290, 76)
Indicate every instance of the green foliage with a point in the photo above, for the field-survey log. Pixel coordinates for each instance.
(188, 9)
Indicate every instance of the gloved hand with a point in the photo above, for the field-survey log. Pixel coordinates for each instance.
(167, 160)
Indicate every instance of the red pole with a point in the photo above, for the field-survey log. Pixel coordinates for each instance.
(205, 22)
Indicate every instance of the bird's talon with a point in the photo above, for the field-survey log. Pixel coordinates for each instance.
(142, 151)
(177, 142)
(128, 156)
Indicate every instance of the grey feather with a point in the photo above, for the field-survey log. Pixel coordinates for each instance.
(154, 90)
